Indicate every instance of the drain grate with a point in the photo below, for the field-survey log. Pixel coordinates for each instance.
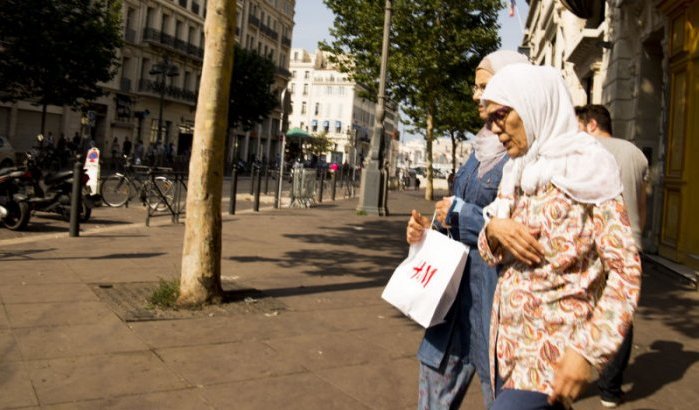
(130, 302)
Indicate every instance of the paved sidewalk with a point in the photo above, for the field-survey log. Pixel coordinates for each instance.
(334, 345)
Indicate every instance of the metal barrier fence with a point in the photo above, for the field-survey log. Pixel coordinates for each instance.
(303, 188)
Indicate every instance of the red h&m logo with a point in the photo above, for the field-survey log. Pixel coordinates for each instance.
(423, 273)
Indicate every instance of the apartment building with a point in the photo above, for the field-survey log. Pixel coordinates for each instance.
(153, 96)
(325, 100)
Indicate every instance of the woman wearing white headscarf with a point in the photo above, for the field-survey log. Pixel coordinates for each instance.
(570, 271)
(453, 351)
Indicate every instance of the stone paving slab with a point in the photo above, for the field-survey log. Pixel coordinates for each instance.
(98, 377)
(184, 399)
(387, 385)
(107, 336)
(16, 389)
(57, 314)
(56, 292)
(207, 364)
(302, 391)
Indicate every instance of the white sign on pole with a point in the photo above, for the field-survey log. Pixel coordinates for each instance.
(92, 169)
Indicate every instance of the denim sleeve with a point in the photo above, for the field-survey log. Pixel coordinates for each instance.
(466, 220)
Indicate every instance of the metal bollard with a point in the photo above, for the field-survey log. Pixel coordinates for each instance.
(253, 168)
(333, 179)
(234, 190)
(256, 206)
(75, 200)
(320, 191)
(280, 178)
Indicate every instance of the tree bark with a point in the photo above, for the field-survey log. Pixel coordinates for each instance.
(453, 152)
(429, 187)
(200, 280)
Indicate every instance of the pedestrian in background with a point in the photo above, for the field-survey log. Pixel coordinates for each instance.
(570, 273)
(453, 351)
(596, 121)
(126, 147)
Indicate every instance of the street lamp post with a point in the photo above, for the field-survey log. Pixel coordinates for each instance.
(163, 69)
(371, 194)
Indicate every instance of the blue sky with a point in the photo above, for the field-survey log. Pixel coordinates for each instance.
(313, 19)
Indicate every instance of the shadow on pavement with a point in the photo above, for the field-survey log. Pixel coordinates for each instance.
(662, 300)
(27, 256)
(666, 363)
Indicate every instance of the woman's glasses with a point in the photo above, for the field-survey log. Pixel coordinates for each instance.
(497, 117)
(475, 89)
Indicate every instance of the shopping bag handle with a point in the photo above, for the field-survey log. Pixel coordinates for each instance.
(434, 216)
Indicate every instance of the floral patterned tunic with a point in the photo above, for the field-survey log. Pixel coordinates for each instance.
(582, 296)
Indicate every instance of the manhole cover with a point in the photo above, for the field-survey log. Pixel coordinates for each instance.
(130, 301)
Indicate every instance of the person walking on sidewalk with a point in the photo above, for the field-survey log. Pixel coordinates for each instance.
(453, 351)
(596, 121)
(570, 273)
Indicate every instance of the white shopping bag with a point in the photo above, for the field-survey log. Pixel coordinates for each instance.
(425, 284)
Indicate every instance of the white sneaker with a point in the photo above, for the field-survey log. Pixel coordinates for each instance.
(610, 403)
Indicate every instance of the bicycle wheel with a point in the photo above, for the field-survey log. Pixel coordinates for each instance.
(115, 190)
(155, 200)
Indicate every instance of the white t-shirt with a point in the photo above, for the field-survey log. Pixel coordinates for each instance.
(634, 174)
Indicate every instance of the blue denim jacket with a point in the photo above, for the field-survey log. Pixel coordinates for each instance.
(471, 309)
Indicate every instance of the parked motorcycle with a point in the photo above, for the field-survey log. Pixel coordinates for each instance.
(14, 207)
(51, 191)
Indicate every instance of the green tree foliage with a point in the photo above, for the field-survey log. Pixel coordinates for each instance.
(58, 51)
(435, 47)
(253, 99)
(319, 144)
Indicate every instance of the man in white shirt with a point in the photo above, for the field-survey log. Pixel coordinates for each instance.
(596, 121)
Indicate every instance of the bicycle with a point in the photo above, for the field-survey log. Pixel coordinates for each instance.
(120, 188)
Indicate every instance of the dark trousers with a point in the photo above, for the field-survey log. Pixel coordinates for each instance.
(511, 399)
(612, 377)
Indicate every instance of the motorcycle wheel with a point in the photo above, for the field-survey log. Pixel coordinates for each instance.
(17, 218)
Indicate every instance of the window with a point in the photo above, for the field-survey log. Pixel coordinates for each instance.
(187, 80)
(317, 110)
(338, 127)
(303, 107)
(291, 88)
(305, 89)
(306, 75)
(293, 74)
(329, 90)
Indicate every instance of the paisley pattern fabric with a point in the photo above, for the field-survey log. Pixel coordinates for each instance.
(582, 296)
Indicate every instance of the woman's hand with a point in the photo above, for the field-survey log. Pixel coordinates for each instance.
(572, 373)
(416, 227)
(515, 238)
(442, 209)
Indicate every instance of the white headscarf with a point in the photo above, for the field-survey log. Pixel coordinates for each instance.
(558, 153)
(488, 150)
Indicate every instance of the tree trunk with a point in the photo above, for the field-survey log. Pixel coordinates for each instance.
(429, 187)
(452, 134)
(200, 280)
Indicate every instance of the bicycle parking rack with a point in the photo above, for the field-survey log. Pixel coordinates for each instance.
(175, 202)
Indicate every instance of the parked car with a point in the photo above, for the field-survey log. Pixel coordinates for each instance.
(7, 153)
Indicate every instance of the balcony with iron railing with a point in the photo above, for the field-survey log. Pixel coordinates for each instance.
(149, 86)
(159, 38)
(254, 21)
(269, 32)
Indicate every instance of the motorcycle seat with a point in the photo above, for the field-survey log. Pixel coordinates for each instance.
(8, 170)
(56, 176)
